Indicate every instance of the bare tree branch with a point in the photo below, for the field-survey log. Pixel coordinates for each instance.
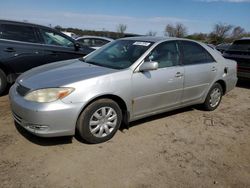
(179, 30)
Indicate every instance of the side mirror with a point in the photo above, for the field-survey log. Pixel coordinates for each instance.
(77, 46)
(148, 66)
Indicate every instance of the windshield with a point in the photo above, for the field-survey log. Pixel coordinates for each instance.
(120, 54)
(240, 45)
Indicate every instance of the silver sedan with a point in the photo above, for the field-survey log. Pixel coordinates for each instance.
(126, 80)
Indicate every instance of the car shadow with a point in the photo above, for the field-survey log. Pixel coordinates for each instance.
(43, 141)
(243, 83)
(80, 139)
(159, 116)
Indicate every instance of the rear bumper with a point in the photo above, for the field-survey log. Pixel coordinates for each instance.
(231, 83)
(44, 119)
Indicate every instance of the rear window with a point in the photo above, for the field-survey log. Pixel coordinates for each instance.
(240, 45)
(17, 33)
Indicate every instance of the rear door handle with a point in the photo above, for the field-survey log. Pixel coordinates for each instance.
(9, 49)
(178, 75)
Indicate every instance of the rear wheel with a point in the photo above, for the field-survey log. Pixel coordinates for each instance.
(213, 98)
(3, 82)
(99, 121)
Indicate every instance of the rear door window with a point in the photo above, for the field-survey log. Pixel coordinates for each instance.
(99, 42)
(18, 33)
(194, 53)
(86, 42)
(93, 42)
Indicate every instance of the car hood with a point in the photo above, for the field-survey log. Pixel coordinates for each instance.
(61, 73)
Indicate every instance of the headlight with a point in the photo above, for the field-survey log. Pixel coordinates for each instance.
(48, 94)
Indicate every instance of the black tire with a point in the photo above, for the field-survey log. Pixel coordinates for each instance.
(208, 104)
(3, 82)
(83, 123)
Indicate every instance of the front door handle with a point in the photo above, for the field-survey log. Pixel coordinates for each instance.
(9, 49)
(214, 69)
(178, 75)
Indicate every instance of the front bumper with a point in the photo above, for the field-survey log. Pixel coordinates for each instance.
(44, 119)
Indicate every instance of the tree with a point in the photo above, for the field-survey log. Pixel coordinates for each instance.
(220, 32)
(121, 28)
(58, 27)
(151, 33)
(198, 36)
(181, 30)
(177, 30)
(170, 30)
(238, 32)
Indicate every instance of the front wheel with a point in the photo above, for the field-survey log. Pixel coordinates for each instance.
(213, 98)
(99, 121)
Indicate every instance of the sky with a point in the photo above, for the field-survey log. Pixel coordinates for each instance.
(140, 16)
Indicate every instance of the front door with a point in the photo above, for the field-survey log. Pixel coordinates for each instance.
(57, 47)
(160, 89)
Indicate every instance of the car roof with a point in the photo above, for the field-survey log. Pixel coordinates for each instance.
(96, 37)
(33, 25)
(21, 22)
(147, 38)
(155, 39)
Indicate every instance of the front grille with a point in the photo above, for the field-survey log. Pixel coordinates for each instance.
(21, 90)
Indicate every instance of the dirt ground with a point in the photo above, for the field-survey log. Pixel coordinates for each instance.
(184, 148)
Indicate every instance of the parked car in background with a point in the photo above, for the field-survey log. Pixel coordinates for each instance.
(126, 80)
(25, 45)
(240, 52)
(212, 46)
(222, 47)
(70, 34)
(94, 42)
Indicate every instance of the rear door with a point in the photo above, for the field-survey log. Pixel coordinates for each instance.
(200, 70)
(58, 47)
(19, 47)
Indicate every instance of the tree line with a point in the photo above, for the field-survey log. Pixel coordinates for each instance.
(120, 32)
(221, 32)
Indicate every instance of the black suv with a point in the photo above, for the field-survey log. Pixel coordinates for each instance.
(24, 46)
(240, 52)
